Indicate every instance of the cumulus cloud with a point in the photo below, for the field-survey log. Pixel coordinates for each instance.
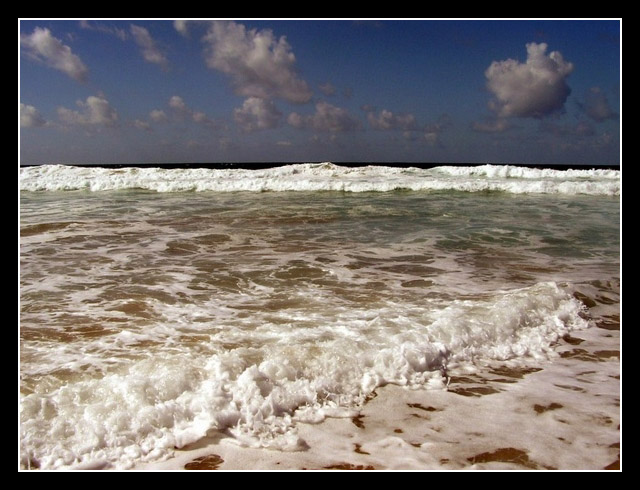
(148, 47)
(177, 104)
(95, 111)
(497, 125)
(43, 47)
(142, 125)
(532, 89)
(387, 120)
(256, 114)
(259, 64)
(181, 111)
(326, 118)
(158, 116)
(30, 117)
(597, 107)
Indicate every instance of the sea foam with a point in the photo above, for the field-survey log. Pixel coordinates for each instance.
(145, 410)
(324, 177)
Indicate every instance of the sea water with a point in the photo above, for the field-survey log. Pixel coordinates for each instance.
(162, 307)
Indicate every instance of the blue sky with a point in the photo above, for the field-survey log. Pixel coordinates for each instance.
(468, 91)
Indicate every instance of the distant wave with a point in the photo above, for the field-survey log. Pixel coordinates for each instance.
(324, 177)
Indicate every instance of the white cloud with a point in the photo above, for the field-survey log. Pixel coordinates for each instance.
(532, 89)
(200, 117)
(596, 106)
(96, 111)
(143, 125)
(157, 115)
(182, 111)
(114, 31)
(326, 118)
(30, 117)
(387, 120)
(42, 46)
(180, 25)
(150, 51)
(259, 64)
(177, 104)
(256, 114)
(184, 26)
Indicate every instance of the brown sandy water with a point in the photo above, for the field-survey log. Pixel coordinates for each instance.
(392, 331)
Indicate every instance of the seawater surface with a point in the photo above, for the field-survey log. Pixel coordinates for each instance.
(159, 307)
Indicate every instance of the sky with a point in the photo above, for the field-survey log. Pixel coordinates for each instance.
(104, 91)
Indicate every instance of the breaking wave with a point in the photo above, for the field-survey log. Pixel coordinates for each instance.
(324, 177)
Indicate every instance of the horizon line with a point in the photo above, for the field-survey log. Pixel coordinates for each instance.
(273, 164)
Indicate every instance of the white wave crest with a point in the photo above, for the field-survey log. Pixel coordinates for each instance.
(324, 177)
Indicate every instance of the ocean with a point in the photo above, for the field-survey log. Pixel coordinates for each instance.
(319, 316)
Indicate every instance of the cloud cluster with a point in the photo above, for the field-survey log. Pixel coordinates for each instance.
(148, 47)
(326, 118)
(95, 111)
(596, 106)
(533, 89)
(30, 117)
(43, 47)
(256, 114)
(259, 64)
(181, 111)
(387, 120)
(433, 131)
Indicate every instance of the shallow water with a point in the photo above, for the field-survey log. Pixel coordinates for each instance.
(151, 321)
